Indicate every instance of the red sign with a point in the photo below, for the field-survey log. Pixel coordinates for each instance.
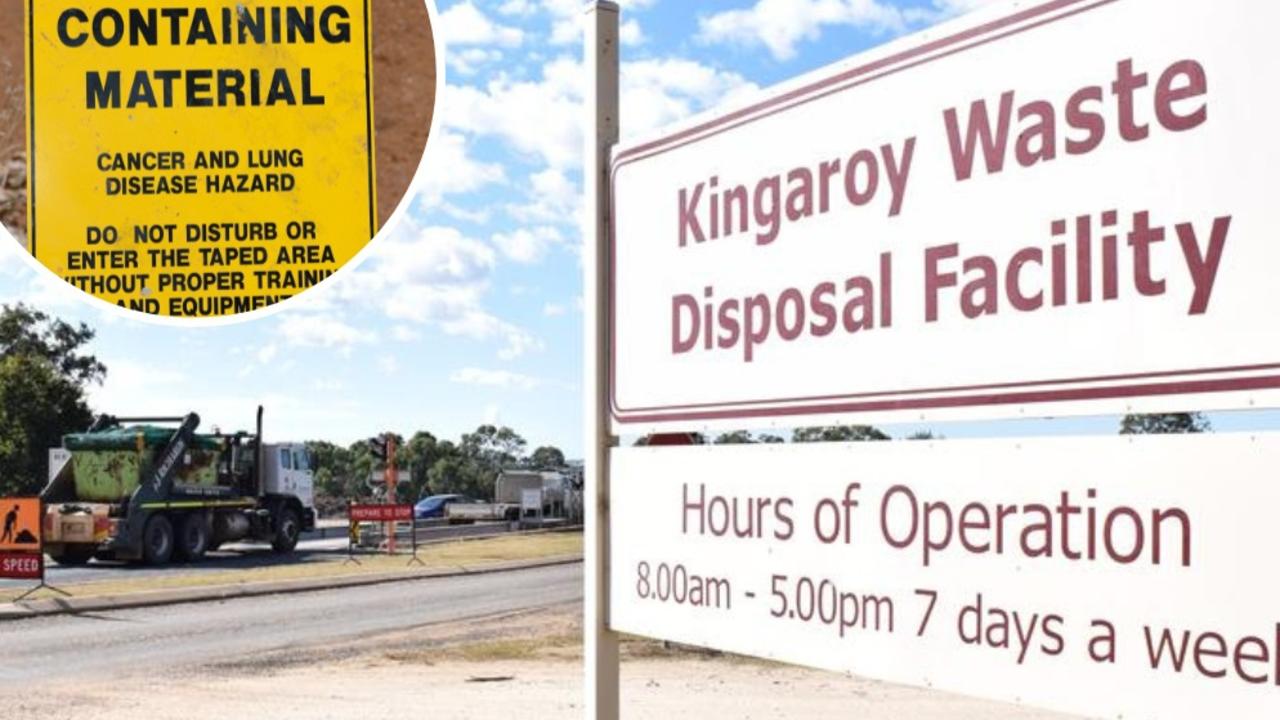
(381, 513)
(21, 566)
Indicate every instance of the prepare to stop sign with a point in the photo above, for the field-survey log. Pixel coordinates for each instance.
(230, 159)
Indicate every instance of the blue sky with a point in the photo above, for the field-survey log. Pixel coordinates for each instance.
(469, 311)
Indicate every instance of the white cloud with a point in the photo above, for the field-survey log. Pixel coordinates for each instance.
(37, 288)
(465, 24)
(493, 414)
(388, 364)
(468, 61)
(780, 25)
(517, 7)
(528, 246)
(658, 92)
(548, 125)
(495, 378)
(553, 309)
(958, 7)
(405, 334)
(449, 169)
(435, 276)
(322, 331)
(630, 33)
(567, 18)
(553, 198)
(541, 119)
(267, 353)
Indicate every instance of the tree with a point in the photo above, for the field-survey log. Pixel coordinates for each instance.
(334, 470)
(769, 439)
(547, 458)
(737, 437)
(38, 405)
(493, 446)
(837, 433)
(418, 456)
(31, 333)
(362, 464)
(43, 374)
(461, 475)
(1165, 424)
(924, 435)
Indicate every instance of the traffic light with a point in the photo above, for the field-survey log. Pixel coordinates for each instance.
(378, 447)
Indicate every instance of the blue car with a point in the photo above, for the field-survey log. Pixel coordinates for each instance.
(434, 506)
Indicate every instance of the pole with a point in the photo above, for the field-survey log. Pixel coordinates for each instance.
(413, 538)
(43, 569)
(602, 133)
(391, 478)
(353, 529)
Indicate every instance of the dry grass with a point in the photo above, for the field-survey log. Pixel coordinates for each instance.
(550, 647)
(555, 644)
(471, 554)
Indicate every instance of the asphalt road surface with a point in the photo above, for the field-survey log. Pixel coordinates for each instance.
(240, 556)
(100, 646)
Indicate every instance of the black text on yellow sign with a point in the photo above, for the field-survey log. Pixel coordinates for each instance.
(199, 159)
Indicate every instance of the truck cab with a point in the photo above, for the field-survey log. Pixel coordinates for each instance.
(287, 474)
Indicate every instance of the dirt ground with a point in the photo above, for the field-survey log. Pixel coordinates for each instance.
(525, 665)
(404, 79)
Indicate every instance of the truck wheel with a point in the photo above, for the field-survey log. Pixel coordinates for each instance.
(157, 541)
(74, 556)
(288, 528)
(193, 537)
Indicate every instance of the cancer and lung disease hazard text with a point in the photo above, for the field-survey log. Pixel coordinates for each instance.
(199, 159)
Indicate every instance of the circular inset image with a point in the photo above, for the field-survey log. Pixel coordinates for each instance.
(209, 159)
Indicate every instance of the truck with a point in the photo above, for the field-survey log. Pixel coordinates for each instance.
(509, 497)
(154, 490)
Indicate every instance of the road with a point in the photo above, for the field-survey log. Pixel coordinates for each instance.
(101, 646)
(242, 556)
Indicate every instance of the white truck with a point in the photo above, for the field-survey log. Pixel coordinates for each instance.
(510, 498)
(143, 489)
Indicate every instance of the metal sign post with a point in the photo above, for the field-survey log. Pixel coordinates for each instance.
(413, 539)
(391, 478)
(602, 123)
(353, 536)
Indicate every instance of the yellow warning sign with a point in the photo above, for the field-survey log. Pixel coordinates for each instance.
(19, 525)
(199, 159)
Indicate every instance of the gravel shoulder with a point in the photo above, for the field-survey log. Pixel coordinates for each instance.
(521, 664)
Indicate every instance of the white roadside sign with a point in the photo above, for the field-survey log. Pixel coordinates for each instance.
(378, 478)
(531, 500)
(1086, 575)
(1068, 205)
